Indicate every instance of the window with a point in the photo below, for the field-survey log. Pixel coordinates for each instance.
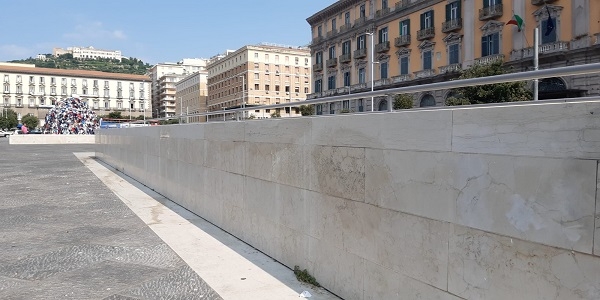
(490, 44)
(333, 24)
(255, 55)
(95, 104)
(384, 4)
(53, 90)
(318, 84)
(384, 70)
(73, 82)
(84, 82)
(347, 78)
(19, 89)
(550, 38)
(360, 41)
(319, 57)
(363, 12)
(276, 58)
(96, 84)
(6, 88)
(42, 101)
(383, 35)
(331, 82)
(453, 54)
(256, 86)
(32, 90)
(488, 3)
(42, 89)
(142, 105)
(320, 31)
(305, 61)
(453, 11)
(346, 47)
(362, 75)
(427, 57)
(331, 52)
(119, 94)
(41, 80)
(277, 88)
(5, 78)
(119, 104)
(106, 93)
(31, 79)
(332, 108)
(18, 78)
(256, 76)
(106, 84)
(119, 85)
(73, 90)
(52, 80)
(427, 19)
(347, 18)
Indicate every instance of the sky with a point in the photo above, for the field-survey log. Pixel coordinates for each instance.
(150, 30)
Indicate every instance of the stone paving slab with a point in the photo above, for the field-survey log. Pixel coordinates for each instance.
(65, 235)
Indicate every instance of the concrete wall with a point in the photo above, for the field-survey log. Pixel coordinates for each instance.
(51, 139)
(474, 203)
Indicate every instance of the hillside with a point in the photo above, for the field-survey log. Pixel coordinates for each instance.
(126, 65)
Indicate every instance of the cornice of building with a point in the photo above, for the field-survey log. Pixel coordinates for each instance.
(73, 73)
(333, 9)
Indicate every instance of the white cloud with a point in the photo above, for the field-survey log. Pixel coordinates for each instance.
(12, 52)
(93, 32)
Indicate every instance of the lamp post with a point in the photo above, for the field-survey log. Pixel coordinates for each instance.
(243, 96)
(372, 64)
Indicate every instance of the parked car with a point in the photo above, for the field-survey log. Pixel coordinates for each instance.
(35, 131)
(4, 133)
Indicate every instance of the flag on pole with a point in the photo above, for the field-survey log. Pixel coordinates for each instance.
(516, 20)
(549, 23)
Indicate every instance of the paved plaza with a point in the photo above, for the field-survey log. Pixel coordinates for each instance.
(64, 234)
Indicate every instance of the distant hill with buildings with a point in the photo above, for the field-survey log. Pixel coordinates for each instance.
(66, 61)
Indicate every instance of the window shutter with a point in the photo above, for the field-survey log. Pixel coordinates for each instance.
(498, 1)
(458, 9)
(408, 27)
(496, 43)
(423, 21)
(432, 20)
(448, 6)
(486, 3)
(484, 46)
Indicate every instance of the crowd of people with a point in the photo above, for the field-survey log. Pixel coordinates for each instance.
(71, 116)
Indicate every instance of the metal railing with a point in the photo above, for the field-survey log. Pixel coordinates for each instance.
(510, 77)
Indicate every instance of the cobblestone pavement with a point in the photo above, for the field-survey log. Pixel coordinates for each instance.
(65, 235)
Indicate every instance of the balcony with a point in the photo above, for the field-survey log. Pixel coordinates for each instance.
(382, 47)
(400, 78)
(426, 33)
(331, 33)
(332, 62)
(360, 53)
(360, 21)
(357, 87)
(328, 93)
(486, 60)
(402, 4)
(555, 47)
(452, 25)
(453, 68)
(345, 27)
(317, 40)
(403, 40)
(382, 82)
(424, 73)
(318, 67)
(6, 104)
(490, 12)
(581, 43)
(382, 12)
(345, 58)
(541, 2)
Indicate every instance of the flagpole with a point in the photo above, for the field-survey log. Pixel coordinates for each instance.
(535, 62)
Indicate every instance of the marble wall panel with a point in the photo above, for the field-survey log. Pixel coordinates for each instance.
(413, 182)
(488, 266)
(553, 130)
(226, 131)
(283, 131)
(336, 269)
(597, 219)
(337, 171)
(544, 200)
(225, 155)
(383, 283)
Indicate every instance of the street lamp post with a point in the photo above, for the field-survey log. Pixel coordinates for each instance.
(243, 104)
(372, 64)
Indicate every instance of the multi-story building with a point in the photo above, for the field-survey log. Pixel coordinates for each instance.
(31, 90)
(259, 75)
(164, 76)
(395, 43)
(88, 53)
(191, 94)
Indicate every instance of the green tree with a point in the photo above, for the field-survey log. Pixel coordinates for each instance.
(115, 115)
(8, 119)
(307, 110)
(30, 121)
(490, 93)
(403, 101)
(276, 114)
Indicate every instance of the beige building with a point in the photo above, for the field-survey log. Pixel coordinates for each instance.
(88, 53)
(423, 41)
(259, 75)
(191, 94)
(31, 90)
(163, 77)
